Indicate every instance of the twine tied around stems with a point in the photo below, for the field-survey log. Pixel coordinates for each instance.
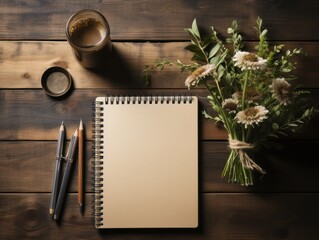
(241, 147)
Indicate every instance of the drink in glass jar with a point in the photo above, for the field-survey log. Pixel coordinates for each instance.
(88, 33)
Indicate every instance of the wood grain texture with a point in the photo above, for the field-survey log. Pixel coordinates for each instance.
(28, 166)
(222, 216)
(283, 204)
(24, 63)
(158, 20)
(32, 115)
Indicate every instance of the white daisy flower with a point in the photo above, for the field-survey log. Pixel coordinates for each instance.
(252, 115)
(230, 104)
(190, 81)
(249, 61)
(281, 90)
(199, 73)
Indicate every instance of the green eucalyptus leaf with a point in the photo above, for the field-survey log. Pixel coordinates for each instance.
(199, 58)
(217, 119)
(195, 28)
(214, 50)
(206, 115)
(222, 58)
(264, 32)
(306, 113)
(275, 126)
(220, 71)
(283, 133)
(193, 36)
(193, 48)
(209, 97)
(286, 70)
(214, 60)
(230, 30)
(234, 24)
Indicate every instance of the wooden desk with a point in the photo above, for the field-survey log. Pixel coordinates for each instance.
(282, 205)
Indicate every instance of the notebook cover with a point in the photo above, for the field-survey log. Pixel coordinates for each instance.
(150, 164)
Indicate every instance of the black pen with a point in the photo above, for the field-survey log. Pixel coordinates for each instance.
(56, 176)
(69, 157)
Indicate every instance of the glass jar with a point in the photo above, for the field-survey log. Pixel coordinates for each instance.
(88, 33)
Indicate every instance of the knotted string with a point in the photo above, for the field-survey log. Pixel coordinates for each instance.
(240, 147)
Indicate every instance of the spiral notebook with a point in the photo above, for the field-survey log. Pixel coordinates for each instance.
(145, 162)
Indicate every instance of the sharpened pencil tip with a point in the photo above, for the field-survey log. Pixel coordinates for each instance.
(76, 133)
(81, 125)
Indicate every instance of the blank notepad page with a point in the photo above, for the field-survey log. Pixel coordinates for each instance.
(149, 162)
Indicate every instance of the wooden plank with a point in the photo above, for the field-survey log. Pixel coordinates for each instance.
(23, 114)
(222, 216)
(32, 115)
(28, 166)
(262, 216)
(24, 68)
(23, 63)
(155, 20)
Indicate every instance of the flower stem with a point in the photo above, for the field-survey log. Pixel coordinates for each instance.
(227, 124)
(219, 90)
(234, 171)
(247, 74)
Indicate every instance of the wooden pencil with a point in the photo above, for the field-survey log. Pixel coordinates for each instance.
(80, 167)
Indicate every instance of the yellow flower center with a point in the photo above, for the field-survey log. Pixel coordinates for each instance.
(198, 71)
(250, 57)
(251, 113)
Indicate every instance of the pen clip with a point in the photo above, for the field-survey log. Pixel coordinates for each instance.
(72, 146)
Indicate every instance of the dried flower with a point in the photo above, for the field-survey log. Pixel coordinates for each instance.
(230, 104)
(251, 95)
(199, 73)
(249, 61)
(281, 90)
(252, 115)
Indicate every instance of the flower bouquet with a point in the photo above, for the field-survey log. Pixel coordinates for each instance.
(251, 93)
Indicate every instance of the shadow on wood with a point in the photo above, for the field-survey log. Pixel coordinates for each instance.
(119, 71)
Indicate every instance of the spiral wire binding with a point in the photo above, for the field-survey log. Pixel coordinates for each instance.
(97, 135)
(97, 150)
(148, 99)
